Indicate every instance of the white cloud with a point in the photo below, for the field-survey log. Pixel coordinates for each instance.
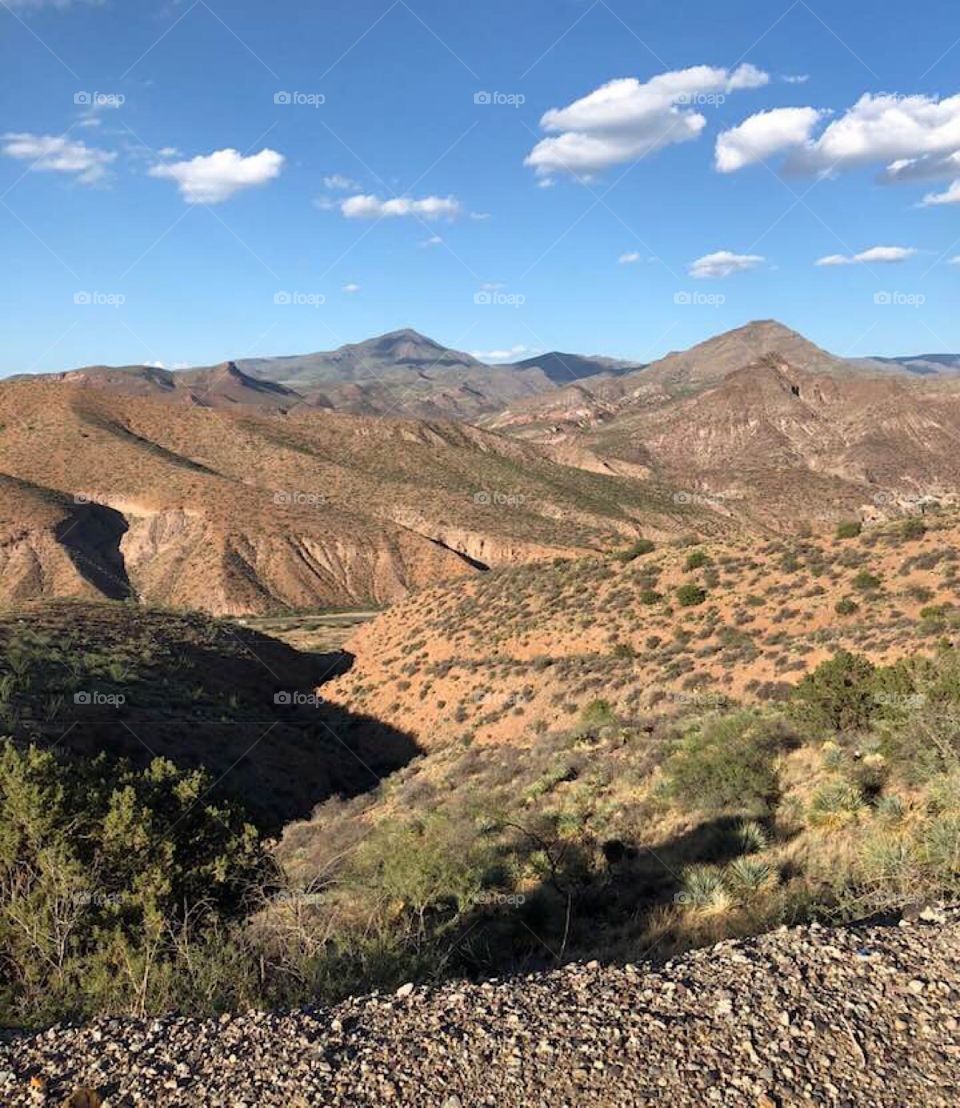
(625, 119)
(882, 255)
(351, 287)
(950, 196)
(213, 178)
(515, 353)
(168, 152)
(336, 182)
(764, 134)
(58, 154)
(372, 207)
(433, 240)
(629, 258)
(724, 263)
(912, 137)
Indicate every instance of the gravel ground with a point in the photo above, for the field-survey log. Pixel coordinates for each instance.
(806, 1016)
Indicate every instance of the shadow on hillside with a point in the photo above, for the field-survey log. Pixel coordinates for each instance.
(91, 536)
(584, 911)
(254, 718)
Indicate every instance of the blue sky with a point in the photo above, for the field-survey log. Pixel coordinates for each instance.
(186, 182)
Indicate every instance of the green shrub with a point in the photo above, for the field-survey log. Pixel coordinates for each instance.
(689, 596)
(598, 713)
(913, 528)
(866, 581)
(728, 763)
(650, 596)
(846, 606)
(697, 559)
(849, 529)
(636, 550)
(839, 695)
(104, 872)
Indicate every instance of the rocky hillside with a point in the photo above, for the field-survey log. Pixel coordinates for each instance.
(529, 647)
(863, 1016)
(239, 512)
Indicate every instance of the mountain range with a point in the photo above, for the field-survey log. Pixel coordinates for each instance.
(277, 484)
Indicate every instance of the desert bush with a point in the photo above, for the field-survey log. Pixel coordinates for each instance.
(728, 763)
(696, 559)
(105, 872)
(636, 550)
(839, 695)
(849, 529)
(689, 596)
(846, 606)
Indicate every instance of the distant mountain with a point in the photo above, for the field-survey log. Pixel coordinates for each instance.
(220, 386)
(926, 365)
(598, 399)
(404, 353)
(563, 369)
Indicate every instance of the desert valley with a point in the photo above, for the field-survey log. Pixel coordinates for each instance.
(479, 554)
(652, 658)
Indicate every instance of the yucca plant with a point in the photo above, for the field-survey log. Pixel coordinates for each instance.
(940, 846)
(751, 837)
(747, 876)
(835, 804)
(703, 889)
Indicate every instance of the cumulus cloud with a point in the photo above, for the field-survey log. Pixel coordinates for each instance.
(764, 134)
(876, 255)
(213, 178)
(372, 207)
(626, 119)
(724, 263)
(58, 154)
(911, 137)
(629, 258)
